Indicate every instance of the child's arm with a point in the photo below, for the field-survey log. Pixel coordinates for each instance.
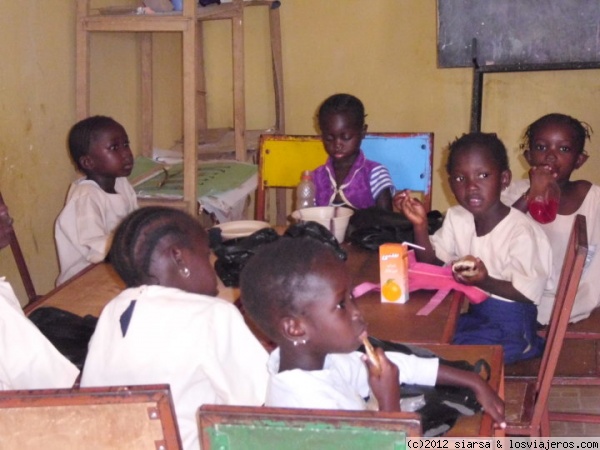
(483, 280)
(489, 400)
(414, 210)
(386, 385)
(539, 179)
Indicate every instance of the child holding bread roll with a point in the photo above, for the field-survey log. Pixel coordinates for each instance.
(300, 295)
(490, 245)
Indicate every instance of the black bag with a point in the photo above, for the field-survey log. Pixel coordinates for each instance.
(233, 254)
(443, 404)
(369, 228)
(68, 332)
(317, 231)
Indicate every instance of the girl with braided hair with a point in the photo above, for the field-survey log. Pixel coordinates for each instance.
(168, 326)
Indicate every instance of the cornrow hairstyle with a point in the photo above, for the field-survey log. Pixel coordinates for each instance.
(489, 141)
(83, 133)
(582, 130)
(137, 236)
(274, 280)
(342, 104)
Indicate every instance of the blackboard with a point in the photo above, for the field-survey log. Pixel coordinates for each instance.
(516, 32)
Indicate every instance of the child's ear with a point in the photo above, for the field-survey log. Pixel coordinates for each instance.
(177, 257)
(527, 156)
(291, 328)
(505, 178)
(364, 130)
(581, 159)
(86, 162)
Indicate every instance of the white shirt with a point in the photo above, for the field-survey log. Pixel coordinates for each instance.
(200, 345)
(342, 384)
(516, 250)
(27, 359)
(558, 231)
(84, 227)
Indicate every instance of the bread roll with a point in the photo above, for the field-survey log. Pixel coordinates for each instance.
(466, 266)
(372, 356)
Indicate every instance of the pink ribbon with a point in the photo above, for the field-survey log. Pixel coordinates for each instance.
(429, 276)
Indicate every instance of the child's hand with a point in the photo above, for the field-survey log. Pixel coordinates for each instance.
(386, 385)
(471, 276)
(539, 179)
(412, 208)
(491, 403)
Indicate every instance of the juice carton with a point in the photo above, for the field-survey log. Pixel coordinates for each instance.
(393, 272)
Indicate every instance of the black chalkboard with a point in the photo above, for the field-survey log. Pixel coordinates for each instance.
(515, 32)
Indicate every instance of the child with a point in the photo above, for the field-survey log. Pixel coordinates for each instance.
(299, 293)
(554, 148)
(512, 254)
(96, 203)
(348, 178)
(168, 327)
(27, 359)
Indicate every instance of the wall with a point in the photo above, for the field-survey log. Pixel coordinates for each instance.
(383, 51)
(37, 51)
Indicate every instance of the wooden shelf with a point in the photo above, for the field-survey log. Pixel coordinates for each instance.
(189, 24)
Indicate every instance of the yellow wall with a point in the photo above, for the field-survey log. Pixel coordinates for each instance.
(383, 51)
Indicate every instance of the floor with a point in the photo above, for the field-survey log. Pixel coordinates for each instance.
(572, 399)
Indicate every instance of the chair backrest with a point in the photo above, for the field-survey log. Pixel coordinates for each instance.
(566, 292)
(283, 158)
(21, 264)
(134, 417)
(245, 427)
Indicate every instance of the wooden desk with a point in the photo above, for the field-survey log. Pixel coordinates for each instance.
(94, 287)
(480, 424)
(86, 293)
(399, 322)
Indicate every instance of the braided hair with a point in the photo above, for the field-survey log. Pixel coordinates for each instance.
(83, 133)
(581, 129)
(343, 104)
(489, 141)
(138, 235)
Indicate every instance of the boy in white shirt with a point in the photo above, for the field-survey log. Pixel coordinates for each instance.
(96, 203)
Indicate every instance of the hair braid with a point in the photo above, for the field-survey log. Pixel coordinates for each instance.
(138, 235)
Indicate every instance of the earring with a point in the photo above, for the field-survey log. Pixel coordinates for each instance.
(301, 342)
(184, 272)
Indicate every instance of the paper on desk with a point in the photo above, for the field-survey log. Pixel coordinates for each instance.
(223, 185)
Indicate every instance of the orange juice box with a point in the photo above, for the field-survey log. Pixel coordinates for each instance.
(393, 272)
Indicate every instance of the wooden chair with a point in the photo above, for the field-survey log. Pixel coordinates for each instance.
(246, 427)
(527, 399)
(111, 418)
(21, 264)
(283, 158)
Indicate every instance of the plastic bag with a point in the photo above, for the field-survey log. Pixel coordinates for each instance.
(369, 228)
(233, 254)
(317, 231)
